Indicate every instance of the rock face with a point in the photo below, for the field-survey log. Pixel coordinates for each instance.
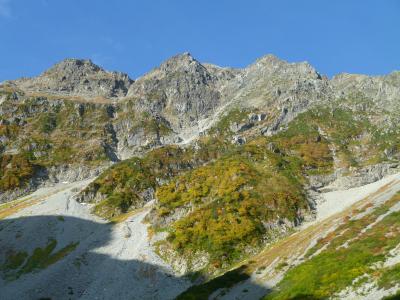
(383, 90)
(187, 97)
(270, 78)
(78, 77)
(362, 176)
(182, 90)
(107, 116)
(286, 89)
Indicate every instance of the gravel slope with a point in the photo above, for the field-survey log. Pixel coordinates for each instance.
(337, 201)
(110, 262)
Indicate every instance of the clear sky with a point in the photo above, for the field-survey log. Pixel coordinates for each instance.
(356, 36)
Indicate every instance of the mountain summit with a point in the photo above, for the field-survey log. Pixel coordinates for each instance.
(78, 77)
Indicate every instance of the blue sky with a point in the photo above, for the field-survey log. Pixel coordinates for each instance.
(356, 36)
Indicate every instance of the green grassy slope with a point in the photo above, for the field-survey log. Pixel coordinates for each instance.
(351, 252)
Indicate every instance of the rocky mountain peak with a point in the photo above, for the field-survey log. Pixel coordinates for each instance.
(182, 63)
(269, 59)
(180, 59)
(73, 65)
(182, 86)
(270, 64)
(78, 77)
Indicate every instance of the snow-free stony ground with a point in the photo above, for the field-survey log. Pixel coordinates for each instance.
(110, 262)
(337, 201)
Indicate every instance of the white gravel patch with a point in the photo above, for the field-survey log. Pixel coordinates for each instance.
(338, 201)
(368, 291)
(393, 258)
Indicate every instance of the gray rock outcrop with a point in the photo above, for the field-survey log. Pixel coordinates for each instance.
(78, 77)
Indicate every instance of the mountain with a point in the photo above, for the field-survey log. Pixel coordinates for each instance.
(77, 77)
(218, 172)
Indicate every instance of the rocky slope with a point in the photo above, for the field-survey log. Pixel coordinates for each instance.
(231, 160)
(77, 77)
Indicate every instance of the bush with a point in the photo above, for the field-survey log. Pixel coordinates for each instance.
(15, 171)
(230, 200)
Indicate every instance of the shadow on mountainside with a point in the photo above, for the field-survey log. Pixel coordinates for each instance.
(60, 257)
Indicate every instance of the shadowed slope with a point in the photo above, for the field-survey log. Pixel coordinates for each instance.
(61, 257)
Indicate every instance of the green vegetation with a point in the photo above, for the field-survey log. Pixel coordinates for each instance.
(349, 254)
(20, 263)
(57, 132)
(222, 127)
(48, 122)
(281, 265)
(152, 125)
(230, 202)
(9, 131)
(356, 135)
(349, 126)
(51, 133)
(122, 185)
(237, 192)
(227, 192)
(303, 139)
(389, 277)
(203, 291)
(15, 171)
(14, 260)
